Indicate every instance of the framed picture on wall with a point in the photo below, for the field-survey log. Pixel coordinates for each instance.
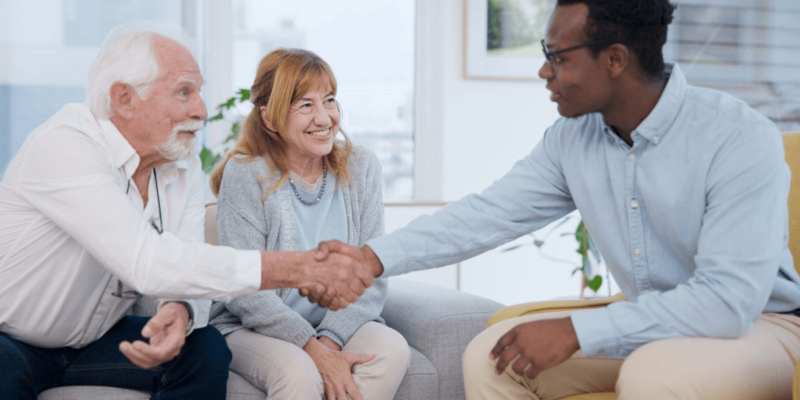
(502, 38)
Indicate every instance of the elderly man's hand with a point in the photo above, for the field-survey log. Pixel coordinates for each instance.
(539, 344)
(329, 251)
(333, 282)
(336, 280)
(167, 334)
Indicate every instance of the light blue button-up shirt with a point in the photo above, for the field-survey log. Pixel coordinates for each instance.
(692, 219)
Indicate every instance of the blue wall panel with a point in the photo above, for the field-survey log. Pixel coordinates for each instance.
(23, 108)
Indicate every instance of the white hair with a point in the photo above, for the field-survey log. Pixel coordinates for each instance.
(127, 56)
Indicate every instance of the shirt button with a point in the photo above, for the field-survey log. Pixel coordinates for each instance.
(631, 156)
(101, 311)
(655, 139)
(646, 292)
(635, 204)
(637, 251)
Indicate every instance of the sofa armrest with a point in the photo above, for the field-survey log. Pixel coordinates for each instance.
(439, 323)
(538, 307)
(796, 382)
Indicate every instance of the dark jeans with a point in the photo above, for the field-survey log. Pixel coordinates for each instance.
(199, 372)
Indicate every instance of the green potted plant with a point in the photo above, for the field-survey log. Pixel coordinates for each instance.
(208, 157)
(586, 249)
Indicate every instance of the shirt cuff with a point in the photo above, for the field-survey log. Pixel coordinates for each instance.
(247, 278)
(332, 336)
(596, 333)
(391, 251)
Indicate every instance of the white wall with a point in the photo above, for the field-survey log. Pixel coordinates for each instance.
(486, 126)
(398, 217)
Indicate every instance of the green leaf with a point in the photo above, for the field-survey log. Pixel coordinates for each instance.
(538, 242)
(244, 95)
(595, 283)
(209, 159)
(216, 117)
(227, 104)
(511, 248)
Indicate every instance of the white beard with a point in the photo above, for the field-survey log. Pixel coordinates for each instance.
(178, 149)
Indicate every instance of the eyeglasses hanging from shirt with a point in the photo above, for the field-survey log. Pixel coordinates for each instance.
(132, 294)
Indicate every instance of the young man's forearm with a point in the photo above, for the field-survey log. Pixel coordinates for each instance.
(373, 262)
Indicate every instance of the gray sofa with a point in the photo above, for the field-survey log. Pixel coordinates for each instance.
(437, 323)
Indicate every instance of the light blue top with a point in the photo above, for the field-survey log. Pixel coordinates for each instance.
(692, 219)
(326, 220)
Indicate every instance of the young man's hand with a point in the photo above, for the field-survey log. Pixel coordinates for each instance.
(331, 251)
(167, 333)
(334, 281)
(539, 344)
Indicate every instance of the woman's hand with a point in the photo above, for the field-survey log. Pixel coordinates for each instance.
(334, 367)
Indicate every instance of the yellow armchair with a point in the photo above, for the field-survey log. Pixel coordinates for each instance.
(791, 143)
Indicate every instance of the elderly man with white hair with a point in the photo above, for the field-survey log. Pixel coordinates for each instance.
(104, 203)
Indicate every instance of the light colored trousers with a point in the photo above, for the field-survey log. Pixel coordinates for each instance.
(758, 365)
(285, 371)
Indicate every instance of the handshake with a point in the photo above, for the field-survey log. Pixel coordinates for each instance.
(333, 275)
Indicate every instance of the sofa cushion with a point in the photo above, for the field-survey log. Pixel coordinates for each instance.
(238, 389)
(421, 382)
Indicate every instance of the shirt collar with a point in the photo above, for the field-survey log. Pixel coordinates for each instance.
(125, 157)
(656, 125)
(169, 172)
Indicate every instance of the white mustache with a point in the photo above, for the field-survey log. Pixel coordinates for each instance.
(188, 126)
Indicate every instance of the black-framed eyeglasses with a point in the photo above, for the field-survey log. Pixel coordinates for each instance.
(548, 55)
(132, 294)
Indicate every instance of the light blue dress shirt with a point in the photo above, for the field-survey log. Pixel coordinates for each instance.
(692, 219)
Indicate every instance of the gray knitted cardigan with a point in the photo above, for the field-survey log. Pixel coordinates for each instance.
(248, 221)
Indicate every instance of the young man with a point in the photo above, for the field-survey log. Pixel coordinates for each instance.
(685, 192)
(105, 201)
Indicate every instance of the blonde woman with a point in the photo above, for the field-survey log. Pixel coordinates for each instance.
(286, 186)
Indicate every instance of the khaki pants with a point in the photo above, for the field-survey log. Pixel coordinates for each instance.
(758, 365)
(285, 371)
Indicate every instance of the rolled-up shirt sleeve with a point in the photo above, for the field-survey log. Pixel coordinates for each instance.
(738, 256)
(79, 192)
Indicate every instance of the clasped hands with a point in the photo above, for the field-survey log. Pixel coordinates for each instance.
(528, 348)
(338, 274)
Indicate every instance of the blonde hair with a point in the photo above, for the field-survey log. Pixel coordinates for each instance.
(283, 77)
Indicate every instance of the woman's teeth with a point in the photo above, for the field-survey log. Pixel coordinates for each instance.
(319, 133)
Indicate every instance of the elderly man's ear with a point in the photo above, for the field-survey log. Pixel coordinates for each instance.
(122, 98)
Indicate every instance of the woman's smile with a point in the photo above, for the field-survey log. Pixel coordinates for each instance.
(322, 135)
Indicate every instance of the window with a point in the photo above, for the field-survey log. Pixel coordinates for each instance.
(46, 50)
(370, 47)
(746, 48)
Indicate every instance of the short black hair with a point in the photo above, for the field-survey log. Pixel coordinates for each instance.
(641, 25)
